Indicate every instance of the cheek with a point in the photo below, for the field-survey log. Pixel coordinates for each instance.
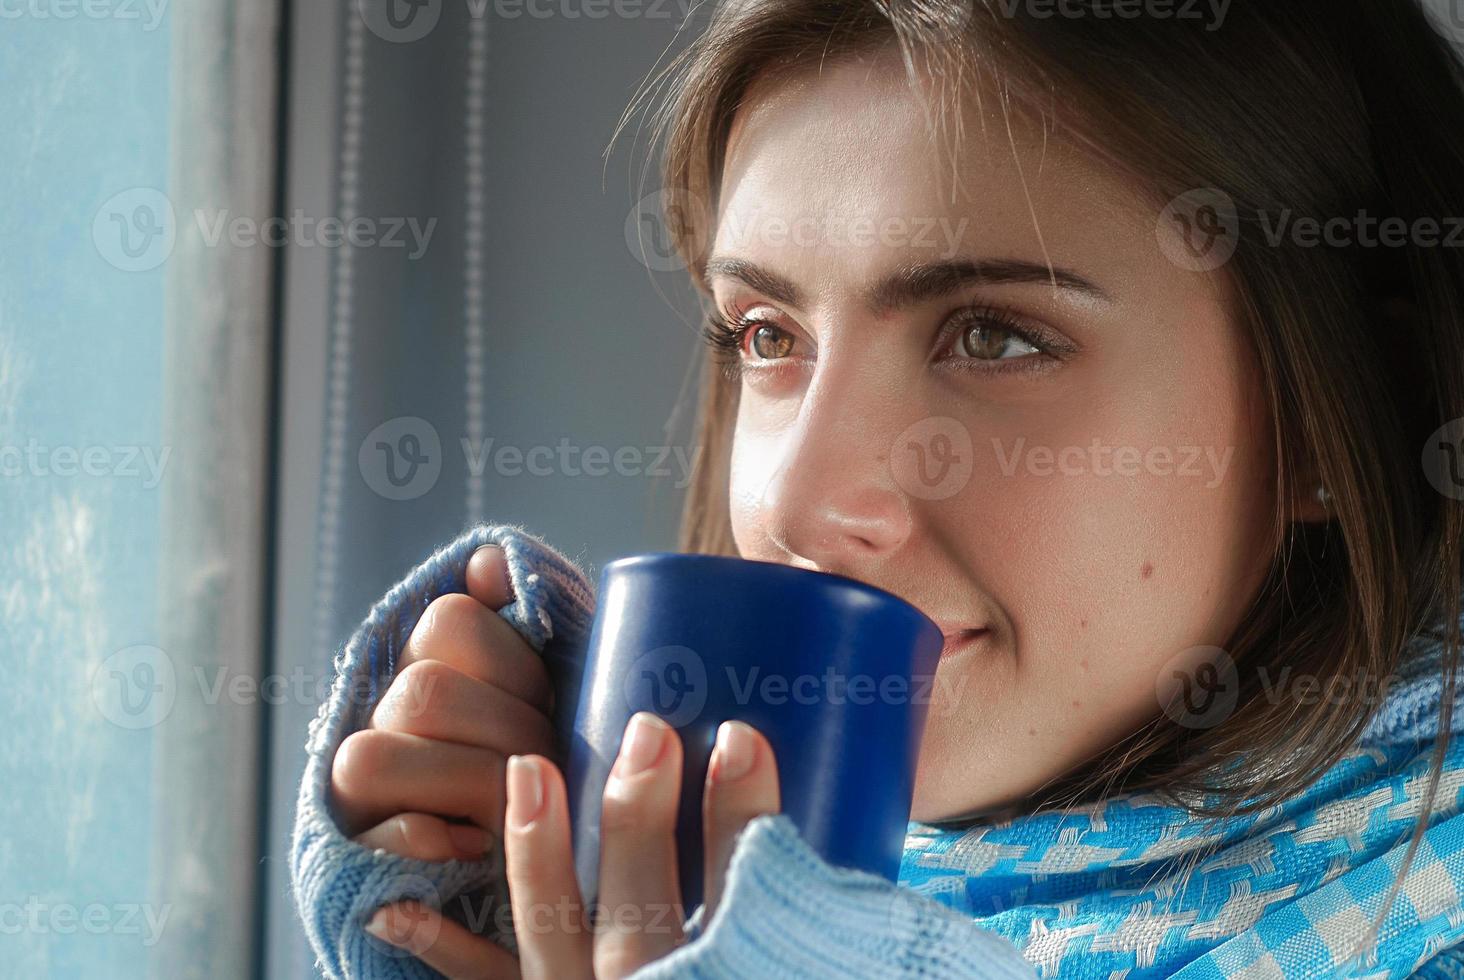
(1105, 577)
(755, 459)
(1116, 538)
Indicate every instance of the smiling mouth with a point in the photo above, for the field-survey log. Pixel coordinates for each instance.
(962, 640)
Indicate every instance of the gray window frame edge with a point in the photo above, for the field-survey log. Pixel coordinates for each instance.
(219, 327)
(310, 131)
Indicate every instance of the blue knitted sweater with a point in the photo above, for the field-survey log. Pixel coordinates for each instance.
(1125, 887)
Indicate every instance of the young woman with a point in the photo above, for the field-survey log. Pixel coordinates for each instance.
(1126, 339)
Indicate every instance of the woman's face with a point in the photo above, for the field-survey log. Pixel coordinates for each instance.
(1080, 468)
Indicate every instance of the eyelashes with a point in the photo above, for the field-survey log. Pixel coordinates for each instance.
(726, 334)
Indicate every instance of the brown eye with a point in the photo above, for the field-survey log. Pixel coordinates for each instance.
(771, 343)
(985, 341)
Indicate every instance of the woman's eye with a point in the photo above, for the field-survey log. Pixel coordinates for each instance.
(987, 341)
(771, 343)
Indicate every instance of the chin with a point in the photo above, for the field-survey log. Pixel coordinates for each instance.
(931, 801)
(922, 813)
(941, 796)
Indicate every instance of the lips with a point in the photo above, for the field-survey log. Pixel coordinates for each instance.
(960, 639)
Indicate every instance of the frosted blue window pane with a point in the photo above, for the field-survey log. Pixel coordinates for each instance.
(86, 118)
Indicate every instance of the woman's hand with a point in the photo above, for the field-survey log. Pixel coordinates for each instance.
(425, 778)
(639, 911)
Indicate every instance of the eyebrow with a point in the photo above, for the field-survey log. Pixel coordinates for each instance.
(911, 284)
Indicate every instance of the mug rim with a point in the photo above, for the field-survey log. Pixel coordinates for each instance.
(664, 557)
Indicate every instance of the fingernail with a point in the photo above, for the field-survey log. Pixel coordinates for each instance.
(468, 840)
(484, 553)
(525, 791)
(735, 751)
(643, 743)
(377, 926)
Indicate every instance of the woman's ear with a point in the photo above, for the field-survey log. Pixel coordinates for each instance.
(1311, 500)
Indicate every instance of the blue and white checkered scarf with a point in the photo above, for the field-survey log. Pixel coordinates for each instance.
(1101, 890)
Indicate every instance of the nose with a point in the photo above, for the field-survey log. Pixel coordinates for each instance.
(833, 501)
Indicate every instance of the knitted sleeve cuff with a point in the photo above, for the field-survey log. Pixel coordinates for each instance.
(338, 884)
(786, 913)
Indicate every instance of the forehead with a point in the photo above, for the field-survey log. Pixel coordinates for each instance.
(851, 145)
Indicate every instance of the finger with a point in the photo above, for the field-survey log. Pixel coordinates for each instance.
(427, 837)
(487, 577)
(378, 774)
(463, 633)
(554, 939)
(436, 700)
(742, 783)
(445, 945)
(639, 890)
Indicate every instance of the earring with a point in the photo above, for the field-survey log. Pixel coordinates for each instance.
(1324, 497)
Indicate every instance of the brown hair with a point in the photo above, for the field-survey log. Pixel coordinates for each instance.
(1325, 107)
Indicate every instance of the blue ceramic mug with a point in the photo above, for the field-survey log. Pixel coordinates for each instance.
(835, 673)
